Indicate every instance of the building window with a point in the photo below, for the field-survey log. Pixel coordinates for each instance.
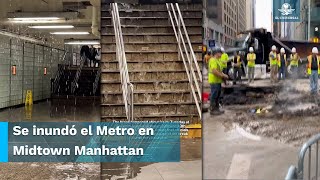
(213, 2)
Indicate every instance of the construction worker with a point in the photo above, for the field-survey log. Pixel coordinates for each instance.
(237, 69)
(313, 70)
(273, 64)
(251, 58)
(224, 61)
(215, 77)
(282, 63)
(207, 58)
(294, 62)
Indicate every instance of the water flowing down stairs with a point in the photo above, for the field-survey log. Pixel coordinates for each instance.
(161, 86)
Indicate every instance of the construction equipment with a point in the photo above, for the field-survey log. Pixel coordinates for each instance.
(262, 40)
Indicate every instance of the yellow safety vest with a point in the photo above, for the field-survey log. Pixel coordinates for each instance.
(279, 59)
(273, 58)
(238, 61)
(251, 57)
(294, 59)
(224, 60)
(309, 64)
(214, 64)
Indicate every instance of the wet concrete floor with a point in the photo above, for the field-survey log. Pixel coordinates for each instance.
(228, 153)
(89, 110)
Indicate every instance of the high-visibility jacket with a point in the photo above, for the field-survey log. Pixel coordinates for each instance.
(279, 59)
(294, 58)
(214, 64)
(224, 60)
(309, 64)
(273, 58)
(251, 57)
(238, 61)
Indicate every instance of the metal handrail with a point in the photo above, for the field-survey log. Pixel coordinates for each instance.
(177, 21)
(298, 172)
(74, 84)
(96, 81)
(126, 86)
(59, 74)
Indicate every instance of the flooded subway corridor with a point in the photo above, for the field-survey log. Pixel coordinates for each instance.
(54, 110)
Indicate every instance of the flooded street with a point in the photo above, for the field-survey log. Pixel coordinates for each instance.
(261, 131)
(285, 112)
(230, 152)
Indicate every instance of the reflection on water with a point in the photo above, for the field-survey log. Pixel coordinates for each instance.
(190, 150)
(57, 110)
(117, 171)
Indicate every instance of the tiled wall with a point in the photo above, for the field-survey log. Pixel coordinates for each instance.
(30, 60)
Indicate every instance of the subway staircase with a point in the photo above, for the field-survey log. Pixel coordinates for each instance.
(156, 70)
(85, 82)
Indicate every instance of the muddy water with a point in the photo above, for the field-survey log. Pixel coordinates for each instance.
(190, 150)
(287, 115)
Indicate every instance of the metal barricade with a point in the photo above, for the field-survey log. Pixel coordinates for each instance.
(298, 172)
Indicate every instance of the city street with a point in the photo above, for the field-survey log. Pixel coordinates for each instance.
(232, 153)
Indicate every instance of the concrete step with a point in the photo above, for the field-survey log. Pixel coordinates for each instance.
(147, 76)
(151, 109)
(155, 98)
(139, 61)
(150, 39)
(168, 66)
(146, 26)
(147, 52)
(151, 42)
(179, 86)
(143, 81)
(150, 30)
(185, 117)
(149, 92)
(150, 21)
(158, 7)
(161, 86)
(148, 48)
(147, 56)
(185, 14)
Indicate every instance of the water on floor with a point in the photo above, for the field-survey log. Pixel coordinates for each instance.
(283, 112)
(85, 110)
(62, 110)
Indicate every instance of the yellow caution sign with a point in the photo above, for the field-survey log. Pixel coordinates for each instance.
(29, 100)
(28, 112)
